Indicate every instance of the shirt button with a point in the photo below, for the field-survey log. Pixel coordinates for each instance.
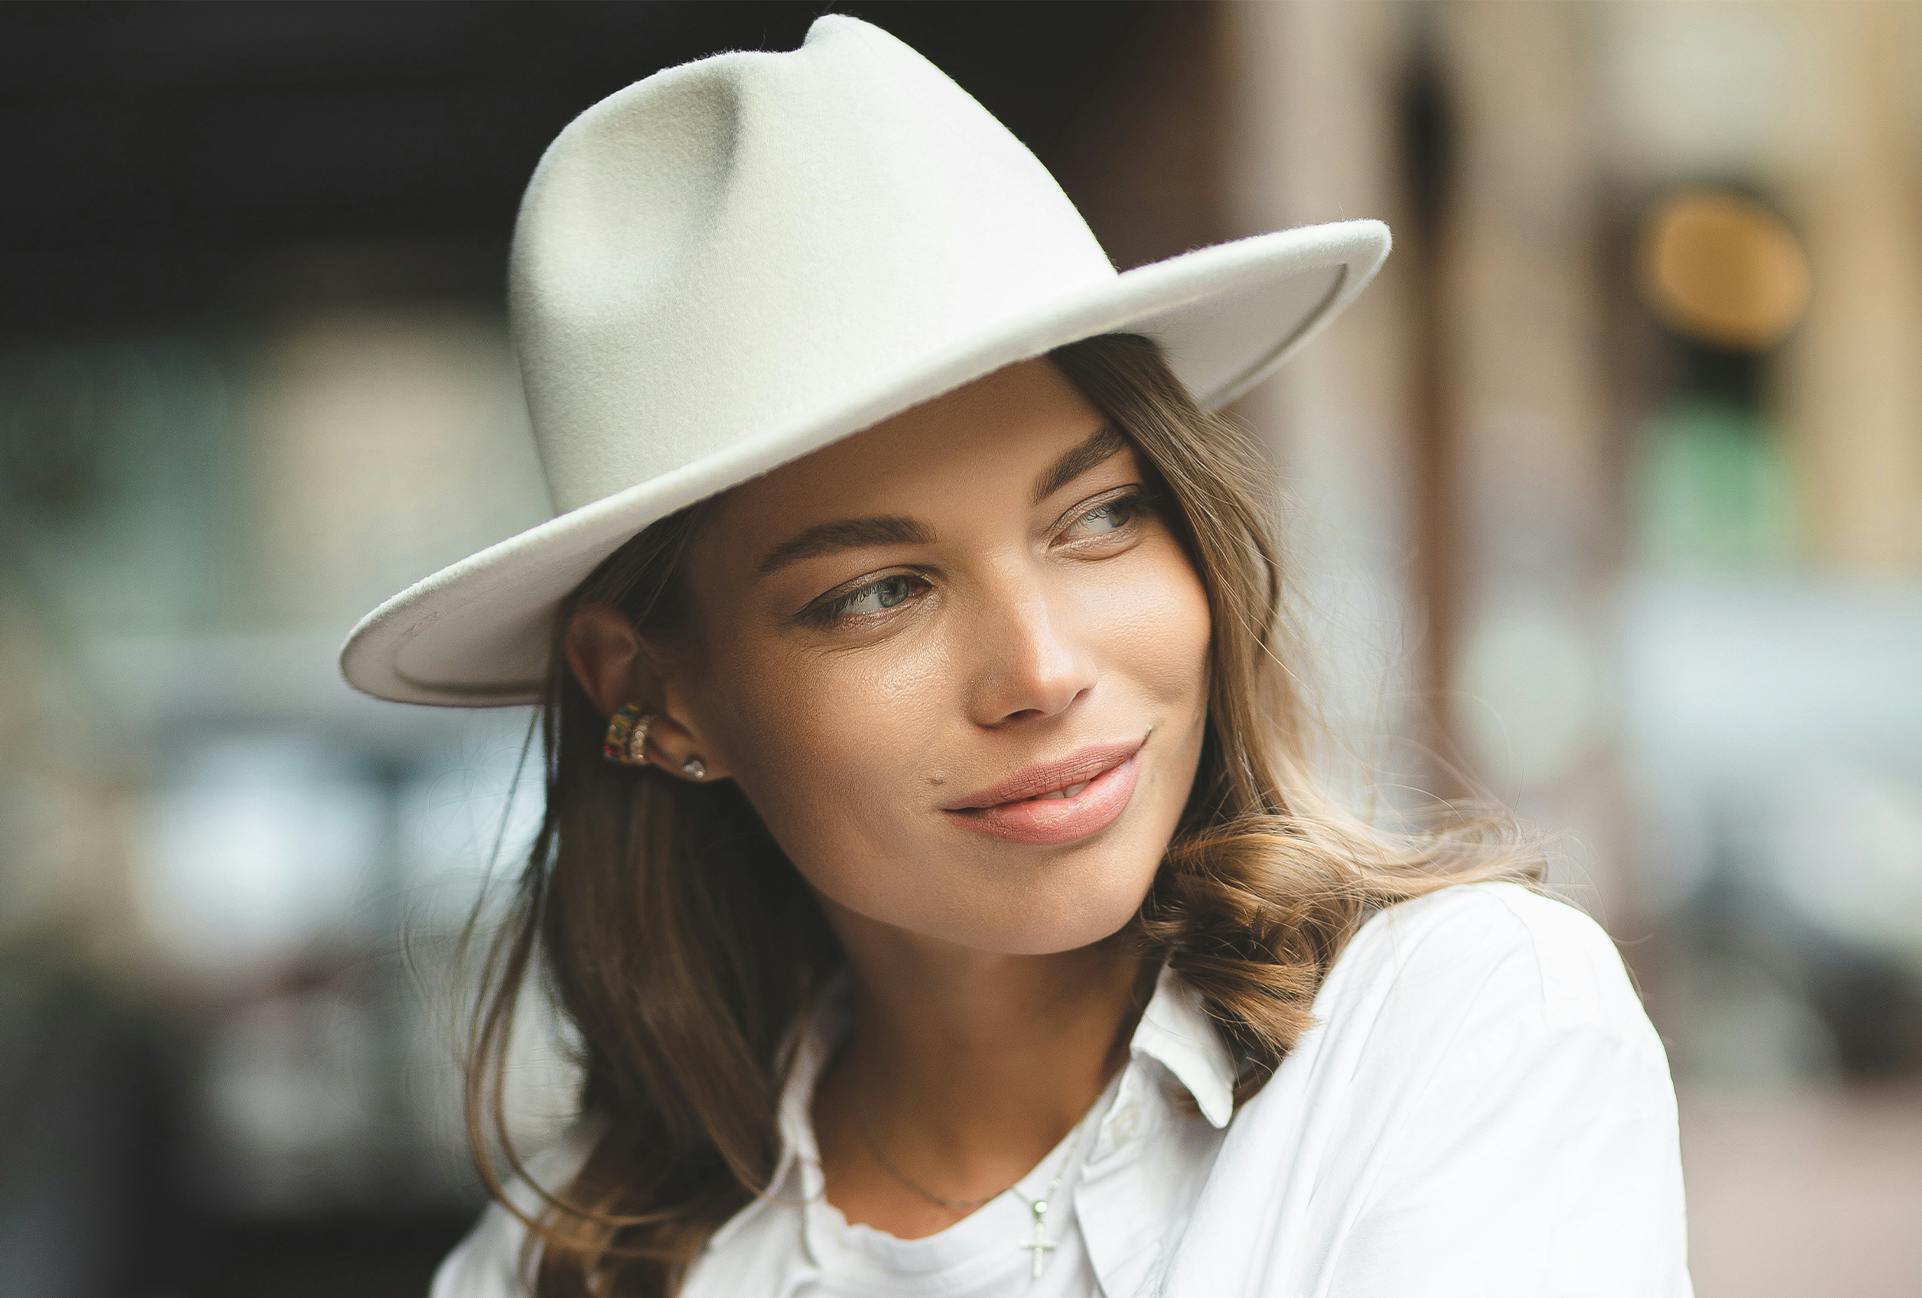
(1124, 1122)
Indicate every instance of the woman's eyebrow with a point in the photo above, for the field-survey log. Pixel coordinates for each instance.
(897, 529)
(1103, 443)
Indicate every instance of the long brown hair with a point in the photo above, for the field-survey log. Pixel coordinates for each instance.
(679, 943)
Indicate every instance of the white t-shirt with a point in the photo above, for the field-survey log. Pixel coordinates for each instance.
(1482, 1109)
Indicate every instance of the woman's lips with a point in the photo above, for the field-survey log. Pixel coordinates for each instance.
(1059, 820)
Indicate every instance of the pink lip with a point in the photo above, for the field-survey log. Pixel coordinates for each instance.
(1046, 777)
(1059, 820)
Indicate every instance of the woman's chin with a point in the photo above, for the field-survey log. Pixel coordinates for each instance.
(1048, 926)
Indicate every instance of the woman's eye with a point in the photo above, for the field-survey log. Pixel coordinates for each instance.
(887, 593)
(880, 597)
(1126, 507)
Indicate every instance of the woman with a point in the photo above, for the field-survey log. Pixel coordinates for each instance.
(932, 869)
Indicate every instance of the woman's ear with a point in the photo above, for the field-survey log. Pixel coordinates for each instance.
(603, 650)
(613, 665)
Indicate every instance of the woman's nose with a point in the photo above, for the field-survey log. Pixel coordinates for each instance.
(1026, 651)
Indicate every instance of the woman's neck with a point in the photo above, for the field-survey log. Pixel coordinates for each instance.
(967, 1080)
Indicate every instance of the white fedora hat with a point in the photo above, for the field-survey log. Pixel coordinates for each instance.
(740, 259)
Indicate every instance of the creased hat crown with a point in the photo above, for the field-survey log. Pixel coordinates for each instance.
(714, 251)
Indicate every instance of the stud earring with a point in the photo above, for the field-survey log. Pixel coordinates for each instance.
(626, 741)
(695, 767)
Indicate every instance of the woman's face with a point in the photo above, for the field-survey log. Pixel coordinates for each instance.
(859, 686)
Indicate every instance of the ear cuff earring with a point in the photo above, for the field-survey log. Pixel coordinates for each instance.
(626, 741)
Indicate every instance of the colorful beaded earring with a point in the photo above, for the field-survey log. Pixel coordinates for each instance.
(626, 740)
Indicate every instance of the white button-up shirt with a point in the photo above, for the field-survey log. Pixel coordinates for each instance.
(1482, 1108)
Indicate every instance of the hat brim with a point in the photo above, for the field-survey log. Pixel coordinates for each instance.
(477, 632)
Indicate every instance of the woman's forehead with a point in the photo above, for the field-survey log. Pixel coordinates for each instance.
(975, 444)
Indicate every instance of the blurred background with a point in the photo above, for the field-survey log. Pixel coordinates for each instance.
(1606, 497)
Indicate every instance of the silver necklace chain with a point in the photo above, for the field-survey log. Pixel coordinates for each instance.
(1038, 1207)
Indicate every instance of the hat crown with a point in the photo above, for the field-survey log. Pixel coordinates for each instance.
(740, 244)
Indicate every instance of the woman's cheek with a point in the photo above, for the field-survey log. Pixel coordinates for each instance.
(1159, 616)
(820, 748)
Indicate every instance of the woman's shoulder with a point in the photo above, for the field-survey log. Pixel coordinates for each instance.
(1498, 945)
(486, 1263)
(1473, 990)
(1481, 1105)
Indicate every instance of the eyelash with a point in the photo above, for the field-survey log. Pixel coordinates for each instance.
(1141, 500)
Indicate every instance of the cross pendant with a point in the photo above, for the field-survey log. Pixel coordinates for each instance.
(1038, 1245)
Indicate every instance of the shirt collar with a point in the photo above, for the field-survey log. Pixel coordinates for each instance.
(1175, 1031)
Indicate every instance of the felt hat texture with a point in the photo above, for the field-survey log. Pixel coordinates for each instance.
(740, 259)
